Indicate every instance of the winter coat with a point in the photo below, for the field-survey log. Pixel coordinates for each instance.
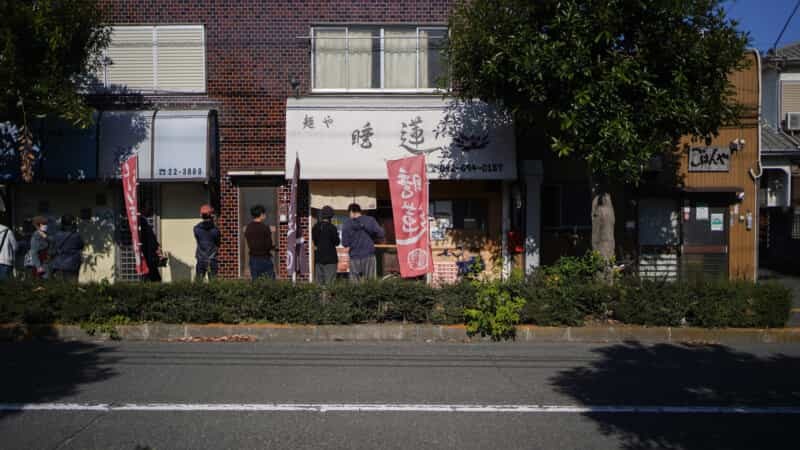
(360, 235)
(67, 251)
(8, 246)
(326, 238)
(208, 238)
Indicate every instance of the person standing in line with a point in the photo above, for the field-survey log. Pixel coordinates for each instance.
(359, 234)
(38, 257)
(259, 244)
(208, 238)
(67, 250)
(325, 237)
(8, 248)
(151, 249)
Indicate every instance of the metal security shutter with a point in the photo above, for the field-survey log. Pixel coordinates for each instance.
(180, 55)
(131, 54)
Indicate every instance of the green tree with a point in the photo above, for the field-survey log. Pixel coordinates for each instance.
(610, 82)
(48, 51)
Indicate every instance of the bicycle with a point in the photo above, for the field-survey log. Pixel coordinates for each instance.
(467, 268)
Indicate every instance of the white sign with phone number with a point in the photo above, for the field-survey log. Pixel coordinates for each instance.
(341, 139)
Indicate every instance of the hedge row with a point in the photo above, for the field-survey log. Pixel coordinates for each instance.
(669, 304)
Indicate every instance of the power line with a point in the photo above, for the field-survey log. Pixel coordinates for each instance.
(786, 25)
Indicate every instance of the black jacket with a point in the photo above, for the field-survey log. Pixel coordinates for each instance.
(208, 237)
(326, 238)
(67, 251)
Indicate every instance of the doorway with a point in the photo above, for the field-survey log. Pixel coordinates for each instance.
(705, 224)
(250, 196)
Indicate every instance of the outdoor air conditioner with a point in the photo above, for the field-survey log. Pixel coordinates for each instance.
(793, 121)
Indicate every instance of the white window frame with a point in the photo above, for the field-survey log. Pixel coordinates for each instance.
(154, 29)
(380, 90)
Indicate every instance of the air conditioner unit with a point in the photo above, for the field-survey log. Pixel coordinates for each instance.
(793, 121)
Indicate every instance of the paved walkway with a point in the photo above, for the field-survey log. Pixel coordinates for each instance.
(792, 282)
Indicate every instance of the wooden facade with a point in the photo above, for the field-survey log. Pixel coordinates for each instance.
(741, 222)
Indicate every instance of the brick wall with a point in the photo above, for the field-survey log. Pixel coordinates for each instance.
(252, 49)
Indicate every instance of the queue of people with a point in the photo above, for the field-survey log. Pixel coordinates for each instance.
(58, 255)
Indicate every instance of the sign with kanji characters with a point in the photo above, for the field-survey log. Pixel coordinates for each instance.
(340, 139)
(408, 186)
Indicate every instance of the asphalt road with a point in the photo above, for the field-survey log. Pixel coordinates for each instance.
(193, 376)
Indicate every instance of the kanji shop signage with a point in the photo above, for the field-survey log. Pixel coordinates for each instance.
(709, 159)
(408, 186)
(351, 138)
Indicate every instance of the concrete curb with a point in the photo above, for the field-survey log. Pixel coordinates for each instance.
(404, 333)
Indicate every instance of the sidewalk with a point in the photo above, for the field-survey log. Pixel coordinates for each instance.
(395, 332)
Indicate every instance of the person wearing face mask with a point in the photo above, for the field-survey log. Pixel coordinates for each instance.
(37, 258)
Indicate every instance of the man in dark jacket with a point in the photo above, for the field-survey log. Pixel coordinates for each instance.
(208, 238)
(151, 249)
(326, 238)
(259, 244)
(67, 251)
(359, 234)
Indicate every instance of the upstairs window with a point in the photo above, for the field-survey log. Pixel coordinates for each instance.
(356, 58)
(155, 59)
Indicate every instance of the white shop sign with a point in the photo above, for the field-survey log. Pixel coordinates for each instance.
(352, 138)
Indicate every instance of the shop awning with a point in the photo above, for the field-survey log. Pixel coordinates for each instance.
(122, 134)
(714, 189)
(346, 138)
(69, 152)
(171, 145)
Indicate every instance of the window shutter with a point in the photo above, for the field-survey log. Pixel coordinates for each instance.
(181, 58)
(131, 54)
(791, 97)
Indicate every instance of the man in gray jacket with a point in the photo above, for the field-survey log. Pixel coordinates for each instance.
(359, 234)
(8, 247)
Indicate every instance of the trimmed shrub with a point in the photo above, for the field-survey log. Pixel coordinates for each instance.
(719, 304)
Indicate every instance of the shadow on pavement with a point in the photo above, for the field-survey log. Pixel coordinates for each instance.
(42, 371)
(678, 375)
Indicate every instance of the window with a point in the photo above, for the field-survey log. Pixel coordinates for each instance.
(566, 206)
(155, 59)
(383, 58)
(796, 224)
(460, 214)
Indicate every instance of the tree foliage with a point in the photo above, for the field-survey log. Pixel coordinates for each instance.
(48, 51)
(611, 82)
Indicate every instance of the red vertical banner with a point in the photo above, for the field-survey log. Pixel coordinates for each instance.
(408, 185)
(129, 181)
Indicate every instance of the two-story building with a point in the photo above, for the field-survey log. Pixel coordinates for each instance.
(218, 99)
(779, 241)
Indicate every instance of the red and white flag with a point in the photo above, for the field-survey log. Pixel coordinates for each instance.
(129, 181)
(408, 185)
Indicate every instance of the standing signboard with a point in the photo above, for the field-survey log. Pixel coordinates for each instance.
(129, 181)
(408, 185)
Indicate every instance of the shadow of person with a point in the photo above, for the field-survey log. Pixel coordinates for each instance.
(50, 371)
(680, 375)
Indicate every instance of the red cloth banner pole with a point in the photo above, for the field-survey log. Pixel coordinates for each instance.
(408, 186)
(129, 182)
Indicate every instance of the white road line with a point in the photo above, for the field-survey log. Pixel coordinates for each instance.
(375, 407)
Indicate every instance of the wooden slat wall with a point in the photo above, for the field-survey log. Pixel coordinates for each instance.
(742, 242)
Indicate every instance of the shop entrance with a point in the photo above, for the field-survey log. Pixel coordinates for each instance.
(250, 196)
(705, 225)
